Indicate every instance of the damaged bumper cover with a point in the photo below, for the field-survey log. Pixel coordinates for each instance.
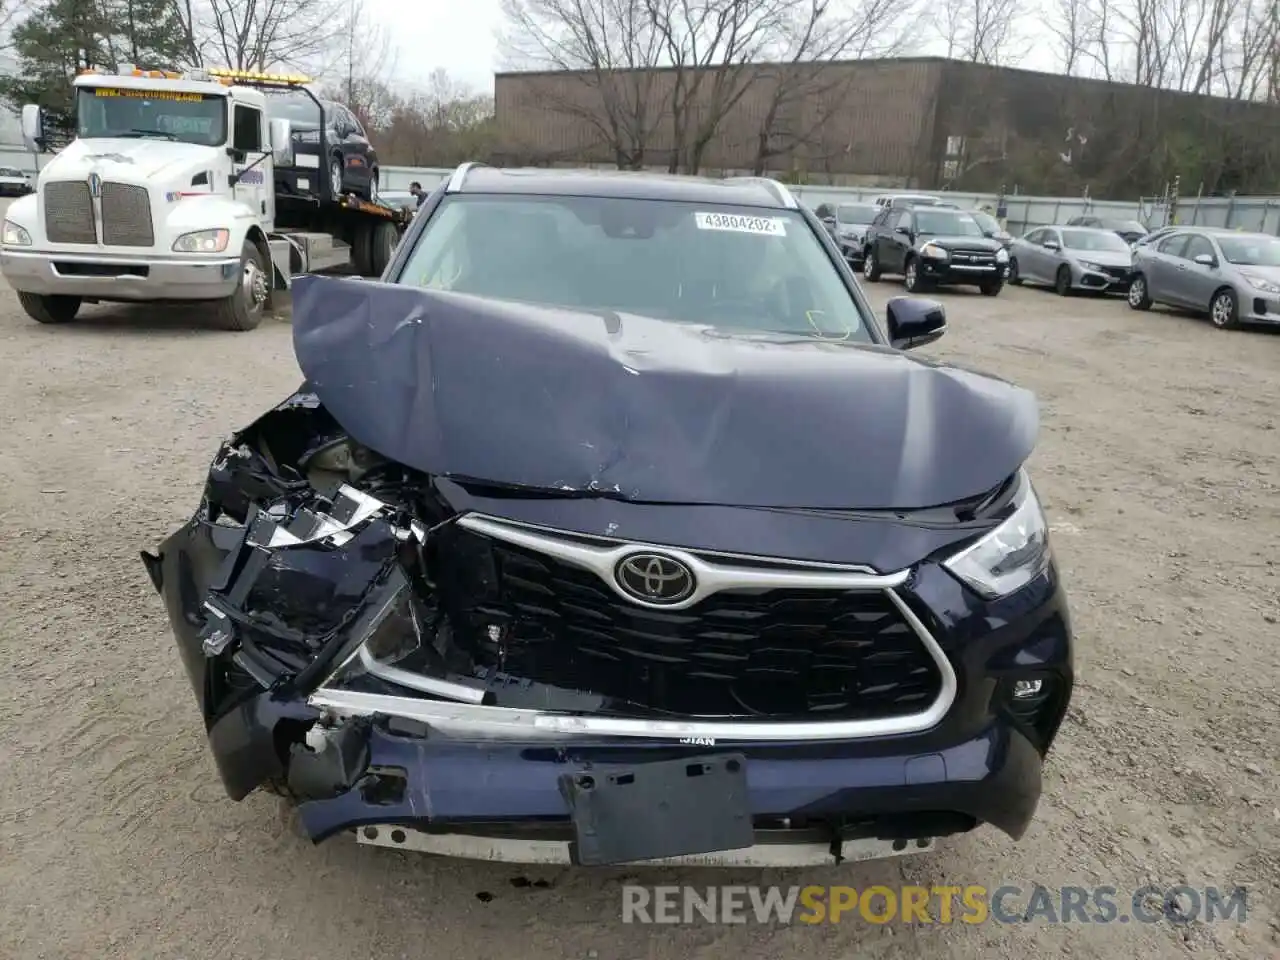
(350, 648)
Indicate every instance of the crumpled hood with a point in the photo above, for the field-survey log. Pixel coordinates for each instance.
(132, 159)
(640, 409)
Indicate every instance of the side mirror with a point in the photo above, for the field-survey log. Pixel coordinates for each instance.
(915, 321)
(280, 133)
(905, 231)
(1052, 245)
(32, 128)
(1207, 260)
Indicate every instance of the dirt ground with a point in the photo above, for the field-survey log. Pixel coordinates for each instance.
(1159, 468)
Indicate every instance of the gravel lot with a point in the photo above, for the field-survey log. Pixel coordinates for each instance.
(1158, 465)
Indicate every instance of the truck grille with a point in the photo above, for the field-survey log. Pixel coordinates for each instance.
(68, 212)
(784, 654)
(126, 215)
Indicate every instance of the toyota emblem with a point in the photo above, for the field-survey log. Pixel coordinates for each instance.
(655, 578)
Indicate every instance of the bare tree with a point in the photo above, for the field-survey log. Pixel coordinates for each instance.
(265, 34)
(1072, 24)
(979, 31)
(604, 52)
(803, 89)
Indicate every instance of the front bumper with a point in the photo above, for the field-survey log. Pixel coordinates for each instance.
(950, 273)
(1259, 307)
(119, 278)
(1113, 280)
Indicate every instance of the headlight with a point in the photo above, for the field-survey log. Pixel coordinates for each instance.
(1090, 265)
(1011, 555)
(1258, 283)
(202, 241)
(15, 236)
(935, 251)
(1002, 255)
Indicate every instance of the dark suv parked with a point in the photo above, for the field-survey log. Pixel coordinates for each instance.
(614, 525)
(931, 246)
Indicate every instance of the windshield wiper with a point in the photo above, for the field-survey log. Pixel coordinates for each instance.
(137, 132)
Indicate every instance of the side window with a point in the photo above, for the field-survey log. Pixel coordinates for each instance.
(1173, 246)
(1198, 245)
(1035, 236)
(904, 220)
(247, 134)
(1052, 236)
(356, 126)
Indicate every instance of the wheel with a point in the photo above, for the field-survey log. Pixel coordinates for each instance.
(243, 309)
(372, 190)
(1138, 297)
(362, 250)
(382, 246)
(335, 178)
(991, 289)
(1224, 311)
(57, 308)
(912, 279)
(1013, 272)
(870, 265)
(1062, 281)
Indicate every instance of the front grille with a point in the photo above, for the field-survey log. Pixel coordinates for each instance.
(783, 654)
(981, 258)
(68, 212)
(126, 215)
(1118, 273)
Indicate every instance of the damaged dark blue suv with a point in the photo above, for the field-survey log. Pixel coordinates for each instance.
(612, 526)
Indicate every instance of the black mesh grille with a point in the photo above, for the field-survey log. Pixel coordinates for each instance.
(781, 654)
(68, 212)
(126, 215)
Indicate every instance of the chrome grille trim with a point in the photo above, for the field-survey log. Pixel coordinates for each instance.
(715, 572)
(68, 212)
(126, 215)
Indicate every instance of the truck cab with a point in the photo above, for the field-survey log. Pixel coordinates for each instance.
(168, 193)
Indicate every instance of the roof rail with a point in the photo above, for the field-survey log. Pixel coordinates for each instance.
(459, 175)
(779, 190)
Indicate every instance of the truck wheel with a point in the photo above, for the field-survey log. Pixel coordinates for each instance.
(58, 308)
(362, 249)
(243, 309)
(382, 247)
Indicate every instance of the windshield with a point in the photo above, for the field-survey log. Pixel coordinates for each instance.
(1251, 251)
(199, 118)
(945, 223)
(295, 107)
(856, 213)
(1098, 240)
(987, 222)
(731, 268)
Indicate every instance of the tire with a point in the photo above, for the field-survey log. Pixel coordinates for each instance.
(1138, 297)
(362, 250)
(911, 278)
(382, 246)
(1224, 309)
(871, 265)
(372, 190)
(57, 308)
(245, 307)
(1062, 281)
(1014, 278)
(991, 289)
(336, 182)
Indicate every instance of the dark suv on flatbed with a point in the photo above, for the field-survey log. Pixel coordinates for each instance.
(612, 526)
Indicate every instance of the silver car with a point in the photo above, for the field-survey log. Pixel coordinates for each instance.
(1233, 277)
(1071, 259)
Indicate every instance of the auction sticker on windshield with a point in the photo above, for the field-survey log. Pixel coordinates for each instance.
(765, 226)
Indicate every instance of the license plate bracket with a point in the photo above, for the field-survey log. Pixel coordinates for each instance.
(653, 810)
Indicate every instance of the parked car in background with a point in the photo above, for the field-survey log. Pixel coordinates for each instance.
(933, 247)
(826, 212)
(852, 221)
(350, 163)
(1155, 235)
(906, 200)
(13, 182)
(1131, 230)
(991, 228)
(1071, 259)
(1233, 277)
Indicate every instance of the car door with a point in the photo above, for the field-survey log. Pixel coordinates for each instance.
(1196, 283)
(1160, 265)
(1028, 252)
(898, 241)
(1049, 255)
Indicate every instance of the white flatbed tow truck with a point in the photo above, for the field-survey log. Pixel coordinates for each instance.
(168, 193)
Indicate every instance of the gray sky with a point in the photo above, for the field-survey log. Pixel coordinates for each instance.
(456, 35)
